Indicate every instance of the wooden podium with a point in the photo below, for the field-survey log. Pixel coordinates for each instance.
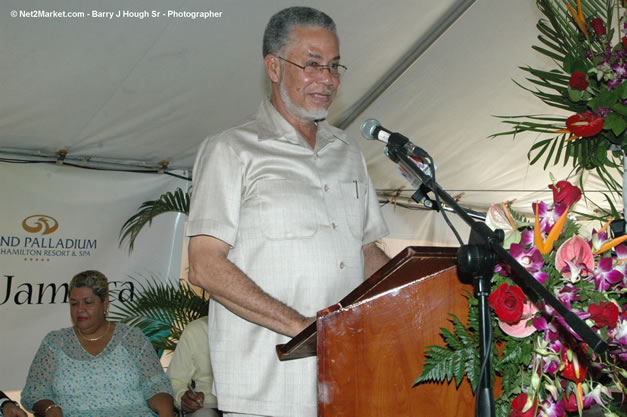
(371, 345)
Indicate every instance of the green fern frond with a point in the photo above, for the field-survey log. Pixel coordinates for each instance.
(457, 359)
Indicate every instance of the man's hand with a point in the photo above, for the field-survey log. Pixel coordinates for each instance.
(192, 402)
(11, 410)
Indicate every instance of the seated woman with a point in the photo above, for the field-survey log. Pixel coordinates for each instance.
(96, 368)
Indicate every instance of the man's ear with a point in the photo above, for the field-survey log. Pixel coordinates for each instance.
(273, 67)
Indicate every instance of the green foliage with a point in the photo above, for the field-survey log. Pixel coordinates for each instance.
(564, 43)
(459, 358)
(161, 310)
(178, 202)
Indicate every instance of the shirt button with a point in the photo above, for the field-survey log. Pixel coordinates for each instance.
(334, 226)
(326, 187)
(341, 265)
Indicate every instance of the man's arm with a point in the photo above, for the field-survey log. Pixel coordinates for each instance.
(374, 258)
(210, 269)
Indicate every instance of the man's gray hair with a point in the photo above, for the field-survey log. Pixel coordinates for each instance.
(279, 28)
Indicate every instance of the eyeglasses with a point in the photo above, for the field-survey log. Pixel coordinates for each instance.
(314, 68)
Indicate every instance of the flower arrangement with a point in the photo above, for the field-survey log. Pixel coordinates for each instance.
(588, 44)
(545, 368)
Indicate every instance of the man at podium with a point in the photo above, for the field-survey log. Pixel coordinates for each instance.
(282, 223)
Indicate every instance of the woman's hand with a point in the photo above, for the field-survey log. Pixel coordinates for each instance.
(54, 412)
(163, 404)
(47, 408)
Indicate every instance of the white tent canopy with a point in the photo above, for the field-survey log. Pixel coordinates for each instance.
(144, 92)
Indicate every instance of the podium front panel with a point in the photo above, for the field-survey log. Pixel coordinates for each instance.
(371, 352)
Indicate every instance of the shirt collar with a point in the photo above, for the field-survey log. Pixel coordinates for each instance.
(272, 125)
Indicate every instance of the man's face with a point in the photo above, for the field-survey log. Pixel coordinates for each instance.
(308, 96)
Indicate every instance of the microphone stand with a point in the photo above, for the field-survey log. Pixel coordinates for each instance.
(478, 258)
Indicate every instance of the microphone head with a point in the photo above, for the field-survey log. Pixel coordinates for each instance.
(368, 127)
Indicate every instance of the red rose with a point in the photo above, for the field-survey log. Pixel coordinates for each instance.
(584, 124)
(508, 302)
(604, 314)
(519, 403)
(625, 42)
(565, 193)
(598, 26)
(578, 81)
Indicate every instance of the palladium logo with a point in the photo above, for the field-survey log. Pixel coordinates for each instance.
(40, 223)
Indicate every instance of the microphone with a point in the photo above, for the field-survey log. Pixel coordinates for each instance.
(371, 129)
(414, 158)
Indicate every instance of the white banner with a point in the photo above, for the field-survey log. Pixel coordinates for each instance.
(57, 221)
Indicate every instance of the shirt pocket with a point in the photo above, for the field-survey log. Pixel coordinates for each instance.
(353, 197)
(287, 209)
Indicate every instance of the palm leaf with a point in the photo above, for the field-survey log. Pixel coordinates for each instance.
(561, 40)
(178, 202)
(161, 310)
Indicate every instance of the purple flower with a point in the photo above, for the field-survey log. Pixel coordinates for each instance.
(530, 259)
(621, 251)
(603, 112)
(619, 70)
(526, 237)
(594, 396)
(540, 323)
(540, 276)
(618, 335)
(548, 215)
(565, 326)
(568, 294)
(550, 364)
(605, 276)
(550, 408)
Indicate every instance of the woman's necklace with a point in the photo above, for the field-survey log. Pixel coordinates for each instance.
(95, 338)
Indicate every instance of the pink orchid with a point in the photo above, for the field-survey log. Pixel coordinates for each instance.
(547, 361)
(621, 252)
(596, 396)
(530, 259)
(552, 408)
(540, 323)
(574, 258)
(618, 335)
(520, 329)
(526, 237)
(598, 238)
(566, 327)
(540, 276)
(605, 275)
(568, 294)
(549, 215)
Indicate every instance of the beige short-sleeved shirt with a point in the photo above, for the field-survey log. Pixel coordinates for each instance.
(191, 361)
(296, 219)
